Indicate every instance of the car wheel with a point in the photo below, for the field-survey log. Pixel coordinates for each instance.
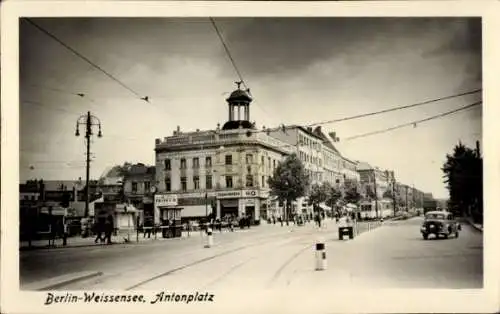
(445, 236)
(425, 235)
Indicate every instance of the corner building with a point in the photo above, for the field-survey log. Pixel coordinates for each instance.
(220, 172)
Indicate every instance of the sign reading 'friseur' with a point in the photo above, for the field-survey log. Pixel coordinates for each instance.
(166, 200)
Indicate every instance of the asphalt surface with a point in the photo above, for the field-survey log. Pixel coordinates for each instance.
(271, 257)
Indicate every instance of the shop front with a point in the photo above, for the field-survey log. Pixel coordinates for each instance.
(243, 203)
(167, 215)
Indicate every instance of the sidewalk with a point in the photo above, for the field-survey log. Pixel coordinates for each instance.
(476, 226)
(120, 238)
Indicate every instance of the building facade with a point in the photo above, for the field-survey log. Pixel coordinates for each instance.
(218, 173)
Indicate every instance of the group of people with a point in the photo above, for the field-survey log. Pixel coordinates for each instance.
(104, 228)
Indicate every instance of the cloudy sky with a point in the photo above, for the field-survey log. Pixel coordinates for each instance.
(300, 71)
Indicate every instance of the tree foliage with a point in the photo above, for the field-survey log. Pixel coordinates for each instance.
(463, 173)
(318, 194)
(289, 180)
(352, 195)
(333, 196)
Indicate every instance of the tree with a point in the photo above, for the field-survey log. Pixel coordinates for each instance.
(333, 196)
(463, 178)
(318, 194)
(352, 195)
(289, 181)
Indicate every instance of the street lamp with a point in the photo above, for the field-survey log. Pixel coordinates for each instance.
(88, 120)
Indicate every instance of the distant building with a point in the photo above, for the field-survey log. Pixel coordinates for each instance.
(137, 188)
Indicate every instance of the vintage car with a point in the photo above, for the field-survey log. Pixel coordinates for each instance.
(439, 223)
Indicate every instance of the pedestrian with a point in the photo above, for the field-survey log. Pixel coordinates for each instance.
(108, 229)
(65, 231)
(99, 228)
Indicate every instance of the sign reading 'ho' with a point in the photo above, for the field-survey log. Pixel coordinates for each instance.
(166, 200)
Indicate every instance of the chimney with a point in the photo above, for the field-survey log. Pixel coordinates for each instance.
(178, 129)
(218, 126)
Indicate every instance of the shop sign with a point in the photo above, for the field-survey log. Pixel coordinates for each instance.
(166, 200)
(231, 194)
(250, 201)
(251, 193)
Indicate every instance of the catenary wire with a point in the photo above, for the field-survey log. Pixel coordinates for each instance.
(395, 108)
(46, 32)
(414, 123)
(284, 127)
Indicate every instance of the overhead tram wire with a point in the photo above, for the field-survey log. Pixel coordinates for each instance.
(395, 108)
(233, 62)
(359, 116)
(109, 75)
(413, 123)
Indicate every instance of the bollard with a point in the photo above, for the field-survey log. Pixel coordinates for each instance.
(210, 239)
(320, 255)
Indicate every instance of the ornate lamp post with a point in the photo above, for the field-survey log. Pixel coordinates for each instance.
(89, 121)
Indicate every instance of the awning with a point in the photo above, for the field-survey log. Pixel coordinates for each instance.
(195, 211)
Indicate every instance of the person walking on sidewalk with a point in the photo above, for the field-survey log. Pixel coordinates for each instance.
(108, 229)
(99, 226)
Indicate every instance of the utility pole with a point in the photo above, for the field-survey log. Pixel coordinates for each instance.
(375, 190)
(88, 120)
(394, 195)
(406, 198)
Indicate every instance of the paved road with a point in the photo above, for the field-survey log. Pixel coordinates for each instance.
(392, 256)
(44, 264)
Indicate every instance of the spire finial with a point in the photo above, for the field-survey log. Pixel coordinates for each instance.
(239, 83)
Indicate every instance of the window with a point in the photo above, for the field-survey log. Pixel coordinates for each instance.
(147, 186)
(262, 160)
(208, 162)
(229, 181)
(263, 181)
(167, 164)
(274, 164)
(249, 158)
(134, 187)
(183, 163)
(168, 185)
(249, 180)
(208, 182)
(196, 181)
(269, 162)
(183, 184)
(229, 159)
(196, 162)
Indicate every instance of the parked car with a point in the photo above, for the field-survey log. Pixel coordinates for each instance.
(439, 223)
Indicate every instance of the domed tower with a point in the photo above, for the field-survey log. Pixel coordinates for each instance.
(239, 110)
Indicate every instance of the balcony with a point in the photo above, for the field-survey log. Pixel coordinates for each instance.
(215, 140)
